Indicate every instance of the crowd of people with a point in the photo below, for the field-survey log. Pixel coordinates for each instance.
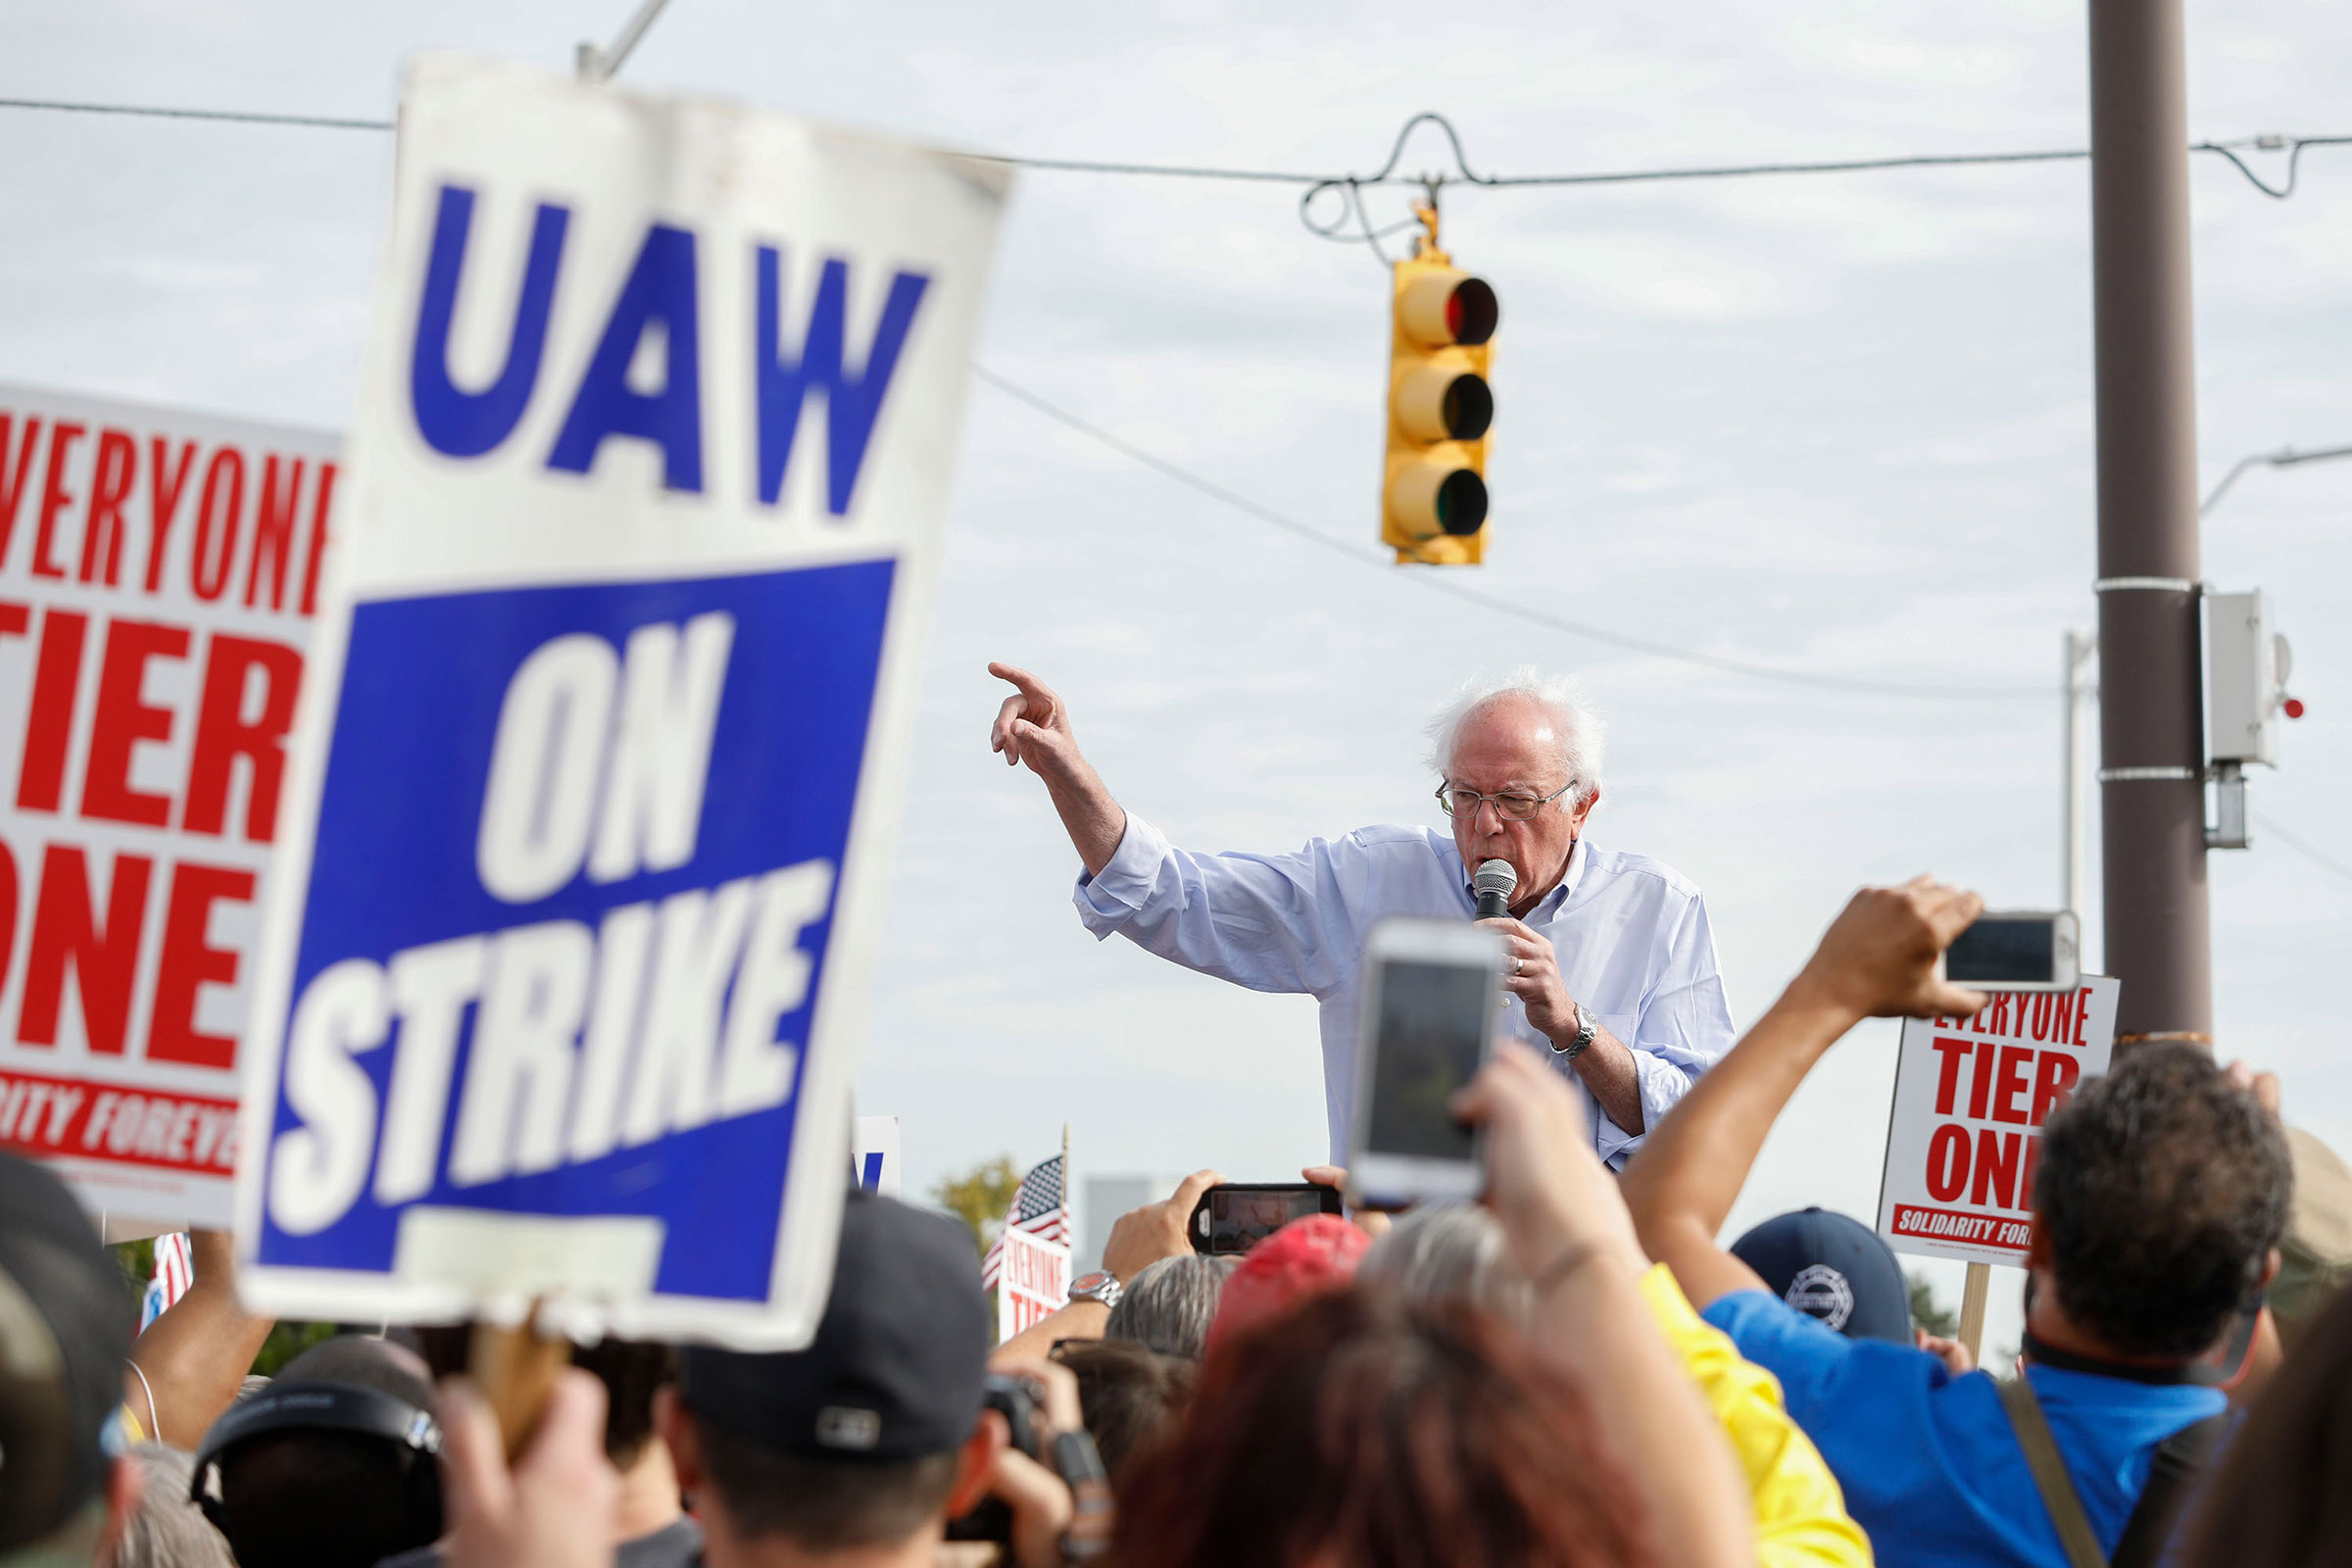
(1573, 1370)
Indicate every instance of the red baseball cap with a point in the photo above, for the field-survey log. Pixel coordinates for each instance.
(1306, 1258)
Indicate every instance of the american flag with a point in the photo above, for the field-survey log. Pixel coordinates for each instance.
(1038, 1208)
(174, 1272)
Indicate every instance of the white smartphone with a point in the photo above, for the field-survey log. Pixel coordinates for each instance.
(2017, 950)
(1429, 992)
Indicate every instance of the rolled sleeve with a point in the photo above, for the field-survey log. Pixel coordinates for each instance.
(1111, 896)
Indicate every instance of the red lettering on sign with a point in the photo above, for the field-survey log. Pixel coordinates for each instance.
(46, 1116)
(224, 734)
(2062, 1019)
(12, 480)
(2054, 1075)
(1996, 1018)
(125, 718)
(1947, 1162)
(309, 569)
(49, 717)
(163, 503)
(2041, 1015)
(2028, 1165)
(102, 529)
(1980, 1088)
(273, 532)
(1954, 1050)
(2011, 1083)
(190, 963)
(8, 907)
(209, 578)
(2081, 1017)
(104, 956)
(1996, 1170)
(54, 499)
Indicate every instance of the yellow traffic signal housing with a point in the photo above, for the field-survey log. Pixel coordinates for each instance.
(1434, 492)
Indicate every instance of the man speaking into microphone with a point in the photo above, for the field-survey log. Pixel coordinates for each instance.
(1609, 963)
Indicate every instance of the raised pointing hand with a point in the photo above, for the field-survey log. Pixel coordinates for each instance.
(1032, 725)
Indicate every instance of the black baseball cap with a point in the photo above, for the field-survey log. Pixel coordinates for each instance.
(66, 1323)
(1832, 1267)
(895, 1367)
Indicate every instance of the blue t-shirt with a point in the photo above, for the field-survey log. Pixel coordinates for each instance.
(1930, 1462)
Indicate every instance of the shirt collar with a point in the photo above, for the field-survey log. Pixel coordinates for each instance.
(1558, 895)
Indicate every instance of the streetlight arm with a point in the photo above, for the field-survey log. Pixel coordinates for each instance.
(2284, 457)
(602, 65)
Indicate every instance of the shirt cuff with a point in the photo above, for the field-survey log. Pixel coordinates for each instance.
(1111, 896)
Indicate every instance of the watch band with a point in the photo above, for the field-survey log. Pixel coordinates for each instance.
(1584, 1036)
(1101, 1286)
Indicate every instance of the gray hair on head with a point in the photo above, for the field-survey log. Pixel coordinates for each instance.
(166, 1529)
(1448, 1255)
(1169, 1305)
(1581, 734)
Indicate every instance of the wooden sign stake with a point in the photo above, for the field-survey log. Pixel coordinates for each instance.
(516, 1369)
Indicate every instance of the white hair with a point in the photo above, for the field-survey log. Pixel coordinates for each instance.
(1581, 733)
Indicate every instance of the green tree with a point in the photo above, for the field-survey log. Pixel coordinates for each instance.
(1927, 1311)
(980, 1198)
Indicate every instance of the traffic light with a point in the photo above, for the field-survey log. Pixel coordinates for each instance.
(1433, 493)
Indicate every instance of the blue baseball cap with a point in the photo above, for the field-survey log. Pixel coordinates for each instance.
(1832, 1267)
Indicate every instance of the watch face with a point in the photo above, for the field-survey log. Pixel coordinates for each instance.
(1088, 1284)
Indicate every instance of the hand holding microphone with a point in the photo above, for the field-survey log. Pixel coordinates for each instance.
(1493, 884)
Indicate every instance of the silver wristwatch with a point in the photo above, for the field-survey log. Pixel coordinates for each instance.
(1584, 1036)
(1099, 1286)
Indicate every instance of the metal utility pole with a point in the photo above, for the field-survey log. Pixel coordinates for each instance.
(2151, 720)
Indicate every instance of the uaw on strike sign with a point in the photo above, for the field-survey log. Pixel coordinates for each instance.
(586, 831)
(1969, 1097)
(159, 576)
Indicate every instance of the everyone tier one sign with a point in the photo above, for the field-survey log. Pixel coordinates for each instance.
(159, 575)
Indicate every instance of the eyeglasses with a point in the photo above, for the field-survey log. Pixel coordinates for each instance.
(1513, 806)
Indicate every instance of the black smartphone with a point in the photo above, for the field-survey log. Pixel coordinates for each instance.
(1237, 1216)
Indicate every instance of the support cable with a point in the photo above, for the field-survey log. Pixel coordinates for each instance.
(1436, 583)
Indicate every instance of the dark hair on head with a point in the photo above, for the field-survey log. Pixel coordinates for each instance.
(2161, 1189)
(301, 1497)
(1360, 1432)
(306, 1498)
(1169, 1305)
(1131, 1396)
(2279, 1499)
(823, 1503)
(630, 1369)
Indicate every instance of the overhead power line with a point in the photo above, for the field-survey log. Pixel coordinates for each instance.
(2308, 852)
(1320, 181)
(1434, 581)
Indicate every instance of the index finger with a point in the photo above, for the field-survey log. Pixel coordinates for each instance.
(1020, 677)
(1187, 1191)
(473, 1456)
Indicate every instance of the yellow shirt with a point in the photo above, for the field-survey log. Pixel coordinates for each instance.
(1800, 1514)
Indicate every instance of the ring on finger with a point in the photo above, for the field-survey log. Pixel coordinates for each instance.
(1517, 964)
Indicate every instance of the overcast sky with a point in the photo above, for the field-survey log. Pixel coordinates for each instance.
(1833, 423)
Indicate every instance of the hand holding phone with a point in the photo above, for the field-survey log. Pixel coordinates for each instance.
(1236, 1216)
(1428, 1023)
(2017, 950)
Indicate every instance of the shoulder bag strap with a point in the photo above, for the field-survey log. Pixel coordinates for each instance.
(2057, 1488)
(2172, 1475)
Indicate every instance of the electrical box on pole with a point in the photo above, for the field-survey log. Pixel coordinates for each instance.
(1442, 332)
(2247, 663)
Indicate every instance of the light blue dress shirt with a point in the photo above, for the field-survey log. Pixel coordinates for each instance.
(1632, 938)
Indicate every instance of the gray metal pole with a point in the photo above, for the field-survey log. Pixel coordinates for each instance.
(2151, 720)
(2072, 838)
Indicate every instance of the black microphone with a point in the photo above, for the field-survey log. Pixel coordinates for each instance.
(1492, 884)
